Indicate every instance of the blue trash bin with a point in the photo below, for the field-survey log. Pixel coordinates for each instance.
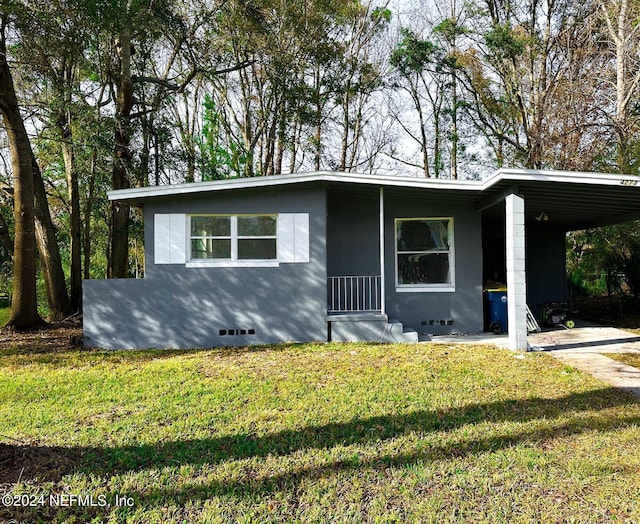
(496, 308)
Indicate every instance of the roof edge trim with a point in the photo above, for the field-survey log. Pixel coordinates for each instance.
(548, 175)
(501, 175)
(292, 178)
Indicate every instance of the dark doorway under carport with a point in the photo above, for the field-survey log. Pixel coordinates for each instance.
(545, 258)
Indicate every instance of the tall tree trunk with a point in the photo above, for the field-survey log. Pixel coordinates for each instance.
(454, 125)
(357, 136)
(437, 149)
(344, 143)
(88, 207)
(24, 305)
(74, 222)
(247, 123)
(119, 253)
(624, 85)
(144, 155)
(318, 122)
(423, 132)
(47, 241)
(295, 140)
(282, 126)
(156, 157)
(270, 146)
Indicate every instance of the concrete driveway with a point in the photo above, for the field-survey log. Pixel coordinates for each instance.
(583, 348)
(585, 338)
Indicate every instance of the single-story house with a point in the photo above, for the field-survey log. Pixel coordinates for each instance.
(340, 256)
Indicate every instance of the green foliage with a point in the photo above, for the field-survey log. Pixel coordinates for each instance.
(381, 14)
(450, 29)
(504, 43)
(414, 55)
(606, 259)
(309, 68)
(216, 160)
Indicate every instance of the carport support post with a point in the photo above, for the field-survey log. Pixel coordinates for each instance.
(516, 275)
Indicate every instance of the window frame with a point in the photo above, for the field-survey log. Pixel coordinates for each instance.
(234, 237)
(426, 288)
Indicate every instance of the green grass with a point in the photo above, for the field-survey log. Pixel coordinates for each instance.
(317, 433)
(631, 359)
(4, 315)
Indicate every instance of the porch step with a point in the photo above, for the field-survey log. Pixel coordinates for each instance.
(396, 332)
(369, 328)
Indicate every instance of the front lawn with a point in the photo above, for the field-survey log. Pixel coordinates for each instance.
(313, 433)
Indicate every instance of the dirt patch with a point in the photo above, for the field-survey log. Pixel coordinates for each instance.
(56, 337)
(24, 462)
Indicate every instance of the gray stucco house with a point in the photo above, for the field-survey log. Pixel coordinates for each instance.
(341, 256)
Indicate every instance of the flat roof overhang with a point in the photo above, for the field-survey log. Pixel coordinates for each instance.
(570, 200)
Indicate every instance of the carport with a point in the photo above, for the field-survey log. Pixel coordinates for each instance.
(526, 215)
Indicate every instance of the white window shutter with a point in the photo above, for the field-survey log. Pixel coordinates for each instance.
(286, 237)
(293, 237)
(161, 234)
(169, 238)
(178, 238)
(301, 234)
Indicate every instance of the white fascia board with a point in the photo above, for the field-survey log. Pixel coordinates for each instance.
(293, 178)
(571, 177)
(203, 187)
(510, 175)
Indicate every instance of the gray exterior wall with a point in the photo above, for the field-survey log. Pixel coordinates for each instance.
(546, 266)
(179, 307)
(438, 312)
(353, 249)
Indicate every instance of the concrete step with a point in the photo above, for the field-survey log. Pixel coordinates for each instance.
(369, 328)
(396, 332)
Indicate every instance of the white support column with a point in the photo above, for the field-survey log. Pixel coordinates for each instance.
(516, 274)
(382, 279)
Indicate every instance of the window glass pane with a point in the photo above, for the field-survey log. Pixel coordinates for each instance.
(257, 249)
(207, 226)
(423, 235)
(257, 226)
(430, 268)
(210, 248)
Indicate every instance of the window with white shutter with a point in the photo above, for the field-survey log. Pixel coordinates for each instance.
(231, 240)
